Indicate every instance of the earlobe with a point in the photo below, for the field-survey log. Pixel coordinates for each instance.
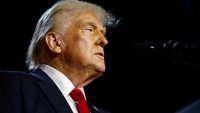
(53, 42)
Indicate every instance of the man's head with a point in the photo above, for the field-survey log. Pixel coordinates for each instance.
(70, 36)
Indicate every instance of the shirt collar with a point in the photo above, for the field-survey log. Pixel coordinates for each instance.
(61, 81)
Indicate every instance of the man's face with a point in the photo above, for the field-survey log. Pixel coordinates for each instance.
(84, 43)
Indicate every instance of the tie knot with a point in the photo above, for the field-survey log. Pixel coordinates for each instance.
(76, 94)
(78, 97)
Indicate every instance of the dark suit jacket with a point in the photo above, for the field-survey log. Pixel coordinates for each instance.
(193, 107)
(34, 92)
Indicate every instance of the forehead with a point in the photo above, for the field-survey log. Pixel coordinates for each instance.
(86, 18)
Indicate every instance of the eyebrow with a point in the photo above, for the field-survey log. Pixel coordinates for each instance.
(94, 24)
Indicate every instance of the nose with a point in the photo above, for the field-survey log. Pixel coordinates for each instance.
(102, 41)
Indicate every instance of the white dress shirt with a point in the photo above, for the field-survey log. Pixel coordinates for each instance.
(63, 83)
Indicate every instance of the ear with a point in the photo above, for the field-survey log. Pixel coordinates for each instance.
(53, 41)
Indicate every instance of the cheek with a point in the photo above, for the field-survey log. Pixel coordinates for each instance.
(84, 47)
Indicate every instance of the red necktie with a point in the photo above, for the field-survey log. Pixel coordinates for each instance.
(78, 97)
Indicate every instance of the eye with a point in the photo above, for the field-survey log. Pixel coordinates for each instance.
(89, 29)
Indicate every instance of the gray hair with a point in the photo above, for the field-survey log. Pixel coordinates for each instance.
(49, 20)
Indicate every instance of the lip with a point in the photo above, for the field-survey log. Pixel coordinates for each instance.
(101, 54)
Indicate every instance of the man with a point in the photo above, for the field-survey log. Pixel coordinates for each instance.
(66, 52)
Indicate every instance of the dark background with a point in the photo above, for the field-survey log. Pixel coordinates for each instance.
(137, 79)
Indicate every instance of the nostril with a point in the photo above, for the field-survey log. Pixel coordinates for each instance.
(102, 44)
(102, 41)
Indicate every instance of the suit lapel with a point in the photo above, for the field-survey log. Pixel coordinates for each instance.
(51, 91)
(92, 108)
(95, 109)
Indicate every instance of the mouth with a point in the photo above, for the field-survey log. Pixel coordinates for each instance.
(100, 54)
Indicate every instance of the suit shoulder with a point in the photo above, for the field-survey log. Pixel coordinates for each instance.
(16, 79)
(5, 74)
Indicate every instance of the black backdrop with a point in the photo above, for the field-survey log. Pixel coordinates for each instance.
(136, 80)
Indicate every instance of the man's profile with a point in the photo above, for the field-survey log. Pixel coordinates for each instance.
(66, 52)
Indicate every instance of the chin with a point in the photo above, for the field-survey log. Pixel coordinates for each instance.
(101, 69)
(98, 67)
